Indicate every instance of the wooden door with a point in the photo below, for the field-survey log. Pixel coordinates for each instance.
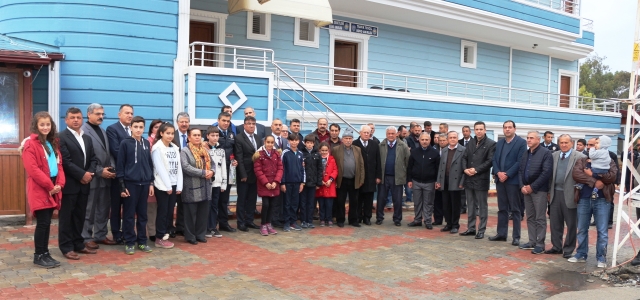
(345, 56)
(565, 89)
(15, 116)
(202, 32)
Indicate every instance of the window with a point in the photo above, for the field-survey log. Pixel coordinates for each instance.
(258, 26)
(306, 34)
(10, 109)
(468, 54)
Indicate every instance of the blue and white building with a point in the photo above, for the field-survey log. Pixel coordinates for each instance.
(383, 61)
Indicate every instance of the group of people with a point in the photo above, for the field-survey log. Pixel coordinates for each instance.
(95, 176)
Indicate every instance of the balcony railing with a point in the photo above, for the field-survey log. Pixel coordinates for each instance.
(259, 59)
(568, 6)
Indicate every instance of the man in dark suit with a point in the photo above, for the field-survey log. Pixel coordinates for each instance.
(180, 138)
(97, 216)
(117, 132)
(451, 181)
(260, 131)
(370, 151)
(432, 134)
(79, 164)
(247, 143)
(466, 136)
(227, 142)
(506, 164)
(548, 142)
(227, 109)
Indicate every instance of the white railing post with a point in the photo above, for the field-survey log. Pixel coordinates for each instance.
(382, 81)
(202, 55)
(406, 84)
(264, 61)
(447, 88)
(305, 74)
(235, 61)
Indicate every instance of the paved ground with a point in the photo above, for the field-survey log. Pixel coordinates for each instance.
(382, 262)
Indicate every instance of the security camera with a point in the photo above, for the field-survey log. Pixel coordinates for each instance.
(26, 74)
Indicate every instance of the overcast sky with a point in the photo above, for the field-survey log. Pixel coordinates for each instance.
(614, 25)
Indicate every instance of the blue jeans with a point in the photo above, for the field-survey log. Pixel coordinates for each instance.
(408, 192)
(291, 203)
(599, 208)
(326, 208)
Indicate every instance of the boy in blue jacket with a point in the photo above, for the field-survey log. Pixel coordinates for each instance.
(292, 183)
(134, 171)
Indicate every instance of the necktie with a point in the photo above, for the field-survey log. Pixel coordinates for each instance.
(224, 133)
(465, 143)
(563, 154)
(279, 142)
(184, 140)
(253, 142)
(365, 144)
(128, 131)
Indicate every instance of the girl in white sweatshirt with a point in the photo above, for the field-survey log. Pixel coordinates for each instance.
(219, 168)
(168, 181)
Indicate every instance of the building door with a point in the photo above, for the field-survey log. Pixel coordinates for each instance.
(345, 56)
(15, 115)
(202, 32)
(565, 89)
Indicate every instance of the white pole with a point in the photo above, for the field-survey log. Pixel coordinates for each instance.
(634, 64)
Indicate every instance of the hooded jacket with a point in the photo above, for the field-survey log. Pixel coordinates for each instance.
(268, 169)
(312, 167)
(34, 159)
(134, 164)
(330, 172)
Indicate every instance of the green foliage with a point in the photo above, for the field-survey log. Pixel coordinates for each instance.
(599, 82)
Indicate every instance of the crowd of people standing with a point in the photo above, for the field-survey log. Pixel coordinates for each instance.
(95, 177)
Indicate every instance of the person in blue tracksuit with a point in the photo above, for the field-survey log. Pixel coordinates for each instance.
(293, 181)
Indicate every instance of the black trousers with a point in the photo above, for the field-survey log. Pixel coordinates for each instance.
(179, 215)
(213, 208)
(43, 229)
(134, 217)
(438, 208)
(389, 185)
(223, 204)
(365, 199)
(347, 188)
(164, 216)
(509, 202)
(451, 204)
(267, 210)
(246, 205)
(277, 209)
(115, 217)
(71, 221)
(195, 220)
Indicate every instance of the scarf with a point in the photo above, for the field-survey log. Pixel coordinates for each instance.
(201, 154)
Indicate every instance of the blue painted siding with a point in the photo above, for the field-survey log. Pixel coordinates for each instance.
(524, 12)
(40, 89)
(556, 65)
(116, 51)
(530, 71)
(209, 87)
(588, 38)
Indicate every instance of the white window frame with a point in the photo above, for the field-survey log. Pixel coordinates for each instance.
(363, 52)
(220, 20)
(296, 35)
(473, 45)
(573, 89)
(267, 28)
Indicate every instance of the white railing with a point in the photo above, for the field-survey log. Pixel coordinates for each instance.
(568, 6)
(587, 24)
(260, 59)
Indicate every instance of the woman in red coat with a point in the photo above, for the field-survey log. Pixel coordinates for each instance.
(268, 168)
(43, 164)
(327, 191)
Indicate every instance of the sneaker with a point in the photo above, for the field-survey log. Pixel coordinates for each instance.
(129, 250)
(389, 205)
(286, 228)
(527, 246)
(577, 260)
(303, 225)
(216, 233)
(263, 230)
(145, 248)
(270, 229)
(537, 250)
(321, 223)
(209, 234)
(310, 225)
(41, 261)
(295, 227)
(47, 256)
(330, 224)
(602, 264)
(160, 243)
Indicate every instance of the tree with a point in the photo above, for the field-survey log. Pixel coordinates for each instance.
(599, 81)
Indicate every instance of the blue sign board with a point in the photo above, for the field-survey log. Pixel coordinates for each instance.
(353, 27)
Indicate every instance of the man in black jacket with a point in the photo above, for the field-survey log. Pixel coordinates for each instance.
(227, 142)
(536, 168)
(247, 143)
(548, 142)
(413, 140)
(422, 173)
(79, 164)
(313, 173)
(372, 172)
(476, 163)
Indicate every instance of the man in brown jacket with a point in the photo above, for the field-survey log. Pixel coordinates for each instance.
(350, 179)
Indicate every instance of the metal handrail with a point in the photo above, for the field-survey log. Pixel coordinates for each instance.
(568, 6)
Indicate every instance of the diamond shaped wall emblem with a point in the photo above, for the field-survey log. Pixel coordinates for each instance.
(233, 87)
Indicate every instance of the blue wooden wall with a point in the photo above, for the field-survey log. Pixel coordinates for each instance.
(41, 89)
(117, 51)
(209, 87)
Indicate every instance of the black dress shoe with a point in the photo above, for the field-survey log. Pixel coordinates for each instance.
(227, 228)
(397, 223)
(610, 226)
(553, 251)
(253, 225)
(516, 242)
(367, 222)
(498, 238)
(415, 224)
(436, 223)
(429, 226)
(179, 232)
(356, 225)
(243, 228)
(192, 242)
(463, 211)
(379, 222)
(566, 255)
(453, 230)
(468, 233)
(340, 225)
(636, 260)
(480, 236)
(510, 216)
(446, 228)
(201, 240)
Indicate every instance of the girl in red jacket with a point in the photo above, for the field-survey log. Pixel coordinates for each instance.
(327, 191)
(268, 168)
(45, 180)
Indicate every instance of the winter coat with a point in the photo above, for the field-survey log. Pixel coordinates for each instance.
(540, 169)
(481, 158)
(330, 172)
(312, 167)
(34, 159)
(195, 187)
(268, 169)
(372, 168)
(401, 163)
